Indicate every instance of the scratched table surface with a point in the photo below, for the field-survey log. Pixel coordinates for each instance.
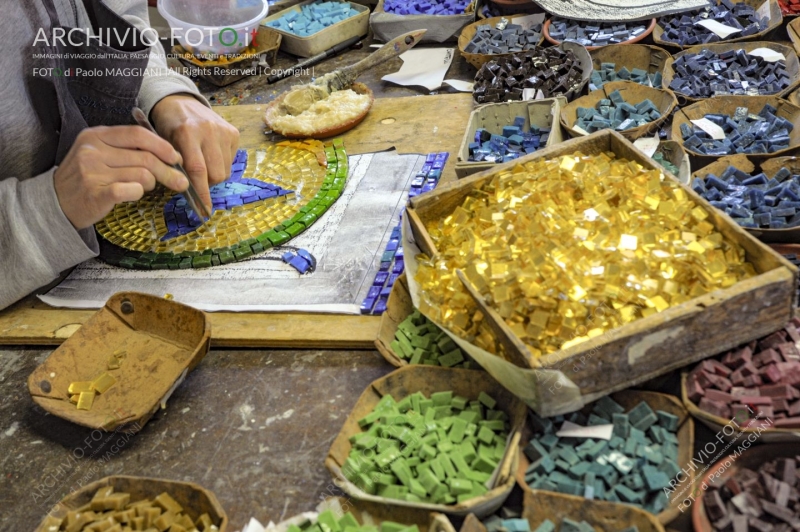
(252, 426)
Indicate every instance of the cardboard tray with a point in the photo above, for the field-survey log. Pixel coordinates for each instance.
(640, 350)
(440, 28)
(222, 74)
(769, 167)
(775, 20)
(793, 29)
(794, 96)
(323, 39)
(163, 340)
(188, 494)
(727, 467)
(792, 65)
(477, 60)
(398, 308)
(628, 399)
(727, 105)
(584, 60)
(643, 56)
(716, 423)
(632, 93)
(374, 514)
(430, 379)
(603, 516)
(493, 116)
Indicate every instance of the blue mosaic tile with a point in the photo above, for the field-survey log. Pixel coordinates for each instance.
(234, 192)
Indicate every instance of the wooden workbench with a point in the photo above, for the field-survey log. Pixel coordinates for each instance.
(412, 124)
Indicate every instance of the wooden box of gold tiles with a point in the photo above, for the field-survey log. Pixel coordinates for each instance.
(123, 363)
(585, 268)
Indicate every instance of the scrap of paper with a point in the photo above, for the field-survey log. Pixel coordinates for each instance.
(580, 130)
(648, 145)
(528, 21)
(423, 68)
(710, 127)
(768, 54)
(718, 28)
(573, 430)
(532, 94)
(764, 11)
(457, 84)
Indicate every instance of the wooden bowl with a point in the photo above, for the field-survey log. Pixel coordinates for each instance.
(628, 399)
(727, 105)
(716, 423)
(469, 31)
(792, 65)
(648, 31)
(582, 56)
(358, 88)
(372, 513)
(751, 458)
(429, 379)
(605, 516)
(770, 167)
(644, 56)
(632, 92)
(196, 499)
(775, 20)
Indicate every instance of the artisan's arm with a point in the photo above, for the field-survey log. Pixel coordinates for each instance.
(37, 239)
(181, 115)
(37, 242)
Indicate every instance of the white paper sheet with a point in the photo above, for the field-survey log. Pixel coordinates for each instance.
(457, 84)
(722, 30)
(768, 54)
(716, 132)
(532, 94)
(764, 11)
(347, 241)
(423, 68)
(580, 130)
(573, 430)
(648, 145)
(528, 21)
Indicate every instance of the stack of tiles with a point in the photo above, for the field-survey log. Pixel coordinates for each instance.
(513, 143)
(756, 384)
(391, 262)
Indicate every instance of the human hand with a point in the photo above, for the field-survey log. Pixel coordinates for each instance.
(206, 142)
(110, 165)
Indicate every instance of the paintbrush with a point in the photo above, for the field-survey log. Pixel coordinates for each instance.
(191, 195)
(301, 97)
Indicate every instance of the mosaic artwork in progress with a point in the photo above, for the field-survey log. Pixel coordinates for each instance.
(288, 187)
(550, 242)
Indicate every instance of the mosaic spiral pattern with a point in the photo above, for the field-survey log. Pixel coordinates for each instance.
(283, 190)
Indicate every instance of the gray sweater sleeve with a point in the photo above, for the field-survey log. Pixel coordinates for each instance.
(37, 241)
